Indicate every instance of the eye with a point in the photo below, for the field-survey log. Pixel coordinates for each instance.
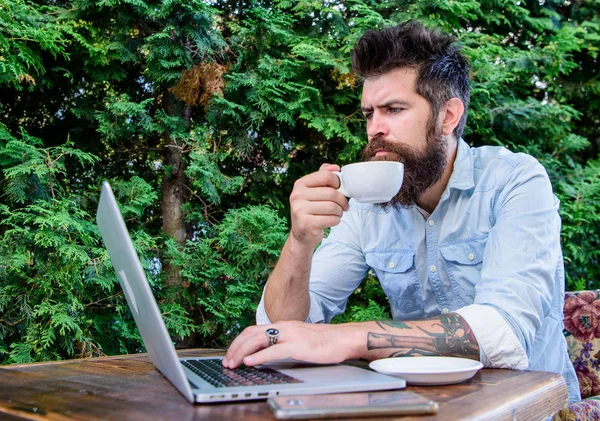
(394, 110)
(368, 115)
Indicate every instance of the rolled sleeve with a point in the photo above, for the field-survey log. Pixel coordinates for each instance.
(498, 344)
(315, 314)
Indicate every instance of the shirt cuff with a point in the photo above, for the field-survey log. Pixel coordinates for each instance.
(315, 314)
(498, 344)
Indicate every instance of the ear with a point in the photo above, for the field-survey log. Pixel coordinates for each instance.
(451, 114)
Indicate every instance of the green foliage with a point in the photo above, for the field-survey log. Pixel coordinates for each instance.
(205, 177)
(30, 169)
(580, 210)
(27, 31)
(47, 247)
(225, 272)
(186, 35)
(227, 104)
(367, 302)
(134, 196)
(373, 311)
(123, 118)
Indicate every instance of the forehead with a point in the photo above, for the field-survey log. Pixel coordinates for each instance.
(399, 84)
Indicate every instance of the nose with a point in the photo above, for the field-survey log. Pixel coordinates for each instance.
(376, 126)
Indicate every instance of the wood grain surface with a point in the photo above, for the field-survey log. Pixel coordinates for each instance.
(130, 388)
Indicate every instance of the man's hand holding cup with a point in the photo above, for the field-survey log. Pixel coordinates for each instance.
(316, 204)
(319, 200)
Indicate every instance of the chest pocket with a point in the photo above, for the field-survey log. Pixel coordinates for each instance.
(463, 264)
(395, 270)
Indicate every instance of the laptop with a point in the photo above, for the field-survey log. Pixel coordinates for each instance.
(203, 379)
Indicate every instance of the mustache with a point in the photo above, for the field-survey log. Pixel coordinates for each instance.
(395, 152)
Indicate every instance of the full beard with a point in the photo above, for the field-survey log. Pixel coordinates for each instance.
(421, 169)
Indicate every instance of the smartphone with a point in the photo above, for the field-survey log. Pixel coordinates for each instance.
(344, 405)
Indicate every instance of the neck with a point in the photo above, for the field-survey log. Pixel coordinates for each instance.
(431, 197)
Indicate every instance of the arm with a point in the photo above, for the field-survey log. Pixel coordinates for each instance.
(315, 205)
(286, 292)
(447, 335)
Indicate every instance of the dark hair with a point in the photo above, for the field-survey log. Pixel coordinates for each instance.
(442, 70)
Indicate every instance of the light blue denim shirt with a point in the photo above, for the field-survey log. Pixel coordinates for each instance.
(492, 241)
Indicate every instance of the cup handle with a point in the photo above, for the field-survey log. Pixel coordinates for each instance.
(341, 188)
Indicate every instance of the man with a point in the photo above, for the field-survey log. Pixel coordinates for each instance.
(468, 252)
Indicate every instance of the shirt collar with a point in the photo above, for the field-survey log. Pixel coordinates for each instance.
(462, 173)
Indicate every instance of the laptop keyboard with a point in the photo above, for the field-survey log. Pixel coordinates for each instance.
(212, 371)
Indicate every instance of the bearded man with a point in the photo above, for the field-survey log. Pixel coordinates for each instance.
(468, 252)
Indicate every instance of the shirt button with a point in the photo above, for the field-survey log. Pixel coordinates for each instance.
(392, 265)
(431, 223)
(432, 268)
(471, 256)
(445, 311)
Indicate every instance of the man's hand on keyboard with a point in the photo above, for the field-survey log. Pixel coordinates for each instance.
(317, 343)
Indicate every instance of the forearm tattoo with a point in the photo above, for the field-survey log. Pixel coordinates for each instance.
(453, 337)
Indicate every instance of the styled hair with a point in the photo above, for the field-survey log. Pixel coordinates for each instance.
(442, 69)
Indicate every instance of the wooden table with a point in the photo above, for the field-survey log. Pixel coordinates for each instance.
(129, 388)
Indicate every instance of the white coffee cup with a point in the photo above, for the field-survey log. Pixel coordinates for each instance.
(371, 181)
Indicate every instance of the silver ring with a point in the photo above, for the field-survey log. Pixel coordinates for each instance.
(273, 335)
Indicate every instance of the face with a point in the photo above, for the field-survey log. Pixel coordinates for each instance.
(400, 128)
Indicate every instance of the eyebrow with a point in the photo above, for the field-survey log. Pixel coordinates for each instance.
(385, 105)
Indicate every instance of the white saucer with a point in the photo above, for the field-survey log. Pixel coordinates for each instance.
(428, 370)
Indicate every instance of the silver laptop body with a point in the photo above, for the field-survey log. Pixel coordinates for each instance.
(315, 379)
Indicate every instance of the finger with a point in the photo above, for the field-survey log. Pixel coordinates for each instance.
(318, 194)
(316, 215)
(246, 335)
(316, 224)
(248, 346)
(319, 179)
(329, 167)
(338, 198)
(321, 208)
(271, 353)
